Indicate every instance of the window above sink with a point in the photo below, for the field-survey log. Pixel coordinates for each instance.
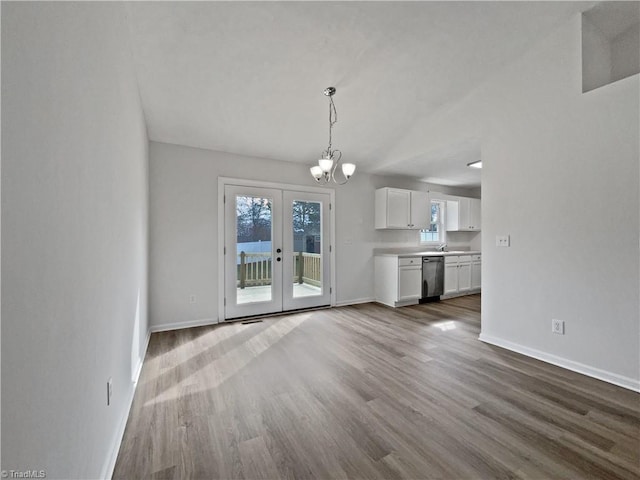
(435, 234)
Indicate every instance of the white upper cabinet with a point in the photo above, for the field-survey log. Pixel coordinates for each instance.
(463, 215)
(474, 213)
(395, 208)
(420, 210)
(402, 209)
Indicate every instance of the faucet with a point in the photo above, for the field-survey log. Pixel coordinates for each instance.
(441, 247)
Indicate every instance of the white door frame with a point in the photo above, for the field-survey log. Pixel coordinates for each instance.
(275, 302)
(223, 182)
(289, 300)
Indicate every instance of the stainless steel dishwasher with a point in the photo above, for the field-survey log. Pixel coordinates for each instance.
(432, 278)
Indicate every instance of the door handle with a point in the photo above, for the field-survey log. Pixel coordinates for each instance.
(278, 250)
(277, 259)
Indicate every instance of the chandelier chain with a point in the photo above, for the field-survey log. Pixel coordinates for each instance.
(333, 119)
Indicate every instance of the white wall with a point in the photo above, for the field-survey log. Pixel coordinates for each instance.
(74, 235)
(561, 177)
(184, 227)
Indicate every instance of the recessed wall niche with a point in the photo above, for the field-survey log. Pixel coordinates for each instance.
(610, 43)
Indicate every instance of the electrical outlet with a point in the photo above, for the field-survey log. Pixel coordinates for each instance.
(557, 326)
(503, 240)
(192, 299)
(109, 390)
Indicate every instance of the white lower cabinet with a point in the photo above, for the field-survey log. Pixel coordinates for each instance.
(409, 282)
(458, 275)
(476, 272)
(464, 274)
(450, 276)
(398, 280)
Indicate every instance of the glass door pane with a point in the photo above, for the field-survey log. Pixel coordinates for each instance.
(253, 248)
(253, 258)
(307, 248)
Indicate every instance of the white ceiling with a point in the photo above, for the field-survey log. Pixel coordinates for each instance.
(248, 77)
(614, 18)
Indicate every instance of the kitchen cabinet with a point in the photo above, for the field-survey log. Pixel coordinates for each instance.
(463, 214)
(396, 208)
(450, 277)
(398, 280)
(474, 213)
(476, 272)
(409, 279)
(464, 274)
(457, 275)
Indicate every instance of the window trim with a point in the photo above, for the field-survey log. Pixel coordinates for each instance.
(441, 223)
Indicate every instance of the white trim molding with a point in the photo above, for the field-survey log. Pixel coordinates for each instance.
(605, 376)
(180, 325)
(346, 303)
(110, 464)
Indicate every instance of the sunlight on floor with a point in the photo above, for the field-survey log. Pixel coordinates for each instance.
(208, 340)
(215, 373)
(444, 326)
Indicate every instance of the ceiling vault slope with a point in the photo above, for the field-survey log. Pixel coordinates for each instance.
(247, 77)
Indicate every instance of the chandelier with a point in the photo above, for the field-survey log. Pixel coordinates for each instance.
(328, 164)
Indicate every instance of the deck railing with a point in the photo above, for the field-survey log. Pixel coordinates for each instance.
(254, 269)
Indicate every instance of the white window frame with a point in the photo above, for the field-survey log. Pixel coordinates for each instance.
(441, 223)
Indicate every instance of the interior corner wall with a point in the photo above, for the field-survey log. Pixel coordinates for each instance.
(597, 65)
(74, 235)
(625, 55)
(561, 177)
(183, 184)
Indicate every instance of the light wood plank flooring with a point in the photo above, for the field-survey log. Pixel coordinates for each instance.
(370, 392)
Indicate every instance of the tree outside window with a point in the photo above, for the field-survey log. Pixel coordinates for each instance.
(435, 233)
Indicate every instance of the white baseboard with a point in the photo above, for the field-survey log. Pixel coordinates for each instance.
(110, 465)
(141, 362)
(473, 291)
(614, 378)
(178, 325)
(355, 302)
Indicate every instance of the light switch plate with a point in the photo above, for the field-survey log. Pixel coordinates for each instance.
(503, 240)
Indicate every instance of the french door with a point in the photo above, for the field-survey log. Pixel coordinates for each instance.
(276, 250)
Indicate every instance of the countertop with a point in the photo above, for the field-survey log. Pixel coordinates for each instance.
(429, 253)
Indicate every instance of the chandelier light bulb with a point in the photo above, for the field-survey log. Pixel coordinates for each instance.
(316, 171)
(325, 164)
(348, 169)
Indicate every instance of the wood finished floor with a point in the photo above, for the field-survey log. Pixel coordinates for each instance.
(370, 392)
